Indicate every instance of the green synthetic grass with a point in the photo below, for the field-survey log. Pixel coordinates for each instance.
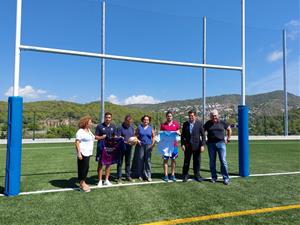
(53, 166)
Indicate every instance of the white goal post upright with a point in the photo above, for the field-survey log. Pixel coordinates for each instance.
(204, 71)
(14, 146)
(101, 119)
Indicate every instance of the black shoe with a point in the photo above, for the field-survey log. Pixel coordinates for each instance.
(199, 179)
(119, 180)
(185, 178)
(130, 179)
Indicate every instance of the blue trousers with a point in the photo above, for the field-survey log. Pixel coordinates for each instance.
(220, 149)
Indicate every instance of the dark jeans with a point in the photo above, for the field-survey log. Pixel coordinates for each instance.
(127, 155)
(196, 162)
(83, 167)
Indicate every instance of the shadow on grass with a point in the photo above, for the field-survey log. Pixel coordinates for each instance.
(65, 183)
(2, 190)
(179, 168)
(93, 180)
(72, 182)
(95, 171)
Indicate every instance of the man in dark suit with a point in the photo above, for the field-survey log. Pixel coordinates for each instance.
(192, 143)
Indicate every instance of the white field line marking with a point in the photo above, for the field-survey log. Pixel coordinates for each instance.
(143, 183)
(73, 147)
(271, 143)
(273, 174)
(64, 146)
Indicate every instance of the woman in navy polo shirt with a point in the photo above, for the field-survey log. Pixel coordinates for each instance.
(141, 165)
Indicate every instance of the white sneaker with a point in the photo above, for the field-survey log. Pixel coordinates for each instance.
(99, 183)
(107, 183)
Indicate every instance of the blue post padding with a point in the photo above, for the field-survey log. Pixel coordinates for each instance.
(14, 146)
(243, 140)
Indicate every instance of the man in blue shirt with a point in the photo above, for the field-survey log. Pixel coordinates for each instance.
(104, 130)
(126, 130)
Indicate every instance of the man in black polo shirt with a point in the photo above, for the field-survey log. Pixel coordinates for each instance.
(216, 143)
(104, 130)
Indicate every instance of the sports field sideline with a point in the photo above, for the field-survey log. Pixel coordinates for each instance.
(53, 167)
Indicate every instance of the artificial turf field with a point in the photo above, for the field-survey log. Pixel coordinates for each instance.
(53, 166)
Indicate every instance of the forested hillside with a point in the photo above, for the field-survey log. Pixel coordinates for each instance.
(60, 118)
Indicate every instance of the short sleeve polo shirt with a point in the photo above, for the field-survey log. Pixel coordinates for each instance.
(103, 129)
(215, 131)
(173, 126)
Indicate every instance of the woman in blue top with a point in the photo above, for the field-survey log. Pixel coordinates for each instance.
(141, 165)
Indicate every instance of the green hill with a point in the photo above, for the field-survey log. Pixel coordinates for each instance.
(60, 118)
(62, 110)
(269, 104)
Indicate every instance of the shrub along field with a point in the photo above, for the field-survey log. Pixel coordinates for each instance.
(53, 166)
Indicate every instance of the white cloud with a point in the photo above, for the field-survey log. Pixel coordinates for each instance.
(30, 93)
(27, 92)
(141, 99)
(274, 80)
(73, 98)
(274, 56)
(52, 97)
(114, 99)
(134, 99)
(293, 29)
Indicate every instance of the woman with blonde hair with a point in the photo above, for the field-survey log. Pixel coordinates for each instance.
(84, 145)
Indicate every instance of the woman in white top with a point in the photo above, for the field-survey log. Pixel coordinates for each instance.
(84, 145)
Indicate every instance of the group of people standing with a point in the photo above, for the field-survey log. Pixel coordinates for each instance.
(192, 139)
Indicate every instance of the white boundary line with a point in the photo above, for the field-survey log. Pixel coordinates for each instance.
(274, 174)
(72, 140)
(286, 142)
(142, 183)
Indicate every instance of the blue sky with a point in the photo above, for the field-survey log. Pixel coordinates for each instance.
(169, 30)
